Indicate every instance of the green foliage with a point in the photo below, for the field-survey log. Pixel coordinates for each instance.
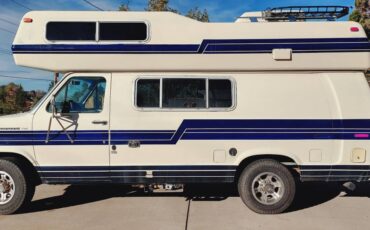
(199, 15)
(361, 3)
(163, 5)
(51, 85)
(355, 16)
(124, 6)
(362, 14)
(20, 98)
(13, 99)
(159, 5)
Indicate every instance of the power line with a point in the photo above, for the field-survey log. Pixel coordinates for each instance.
(21, 4)
(5, 50)
(24, 78)
(14, 71)
(5, 30)
(93, 5)
(7, 21)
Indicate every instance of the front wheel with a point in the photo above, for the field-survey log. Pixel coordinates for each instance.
(266, 187)
(14, 189)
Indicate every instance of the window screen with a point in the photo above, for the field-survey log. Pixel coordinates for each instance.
(147, 93)
(71, 31)
(184, 93)
(220, 93)
(129, 31)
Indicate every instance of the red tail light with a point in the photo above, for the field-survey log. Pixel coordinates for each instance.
(27, 20)
(355, 29)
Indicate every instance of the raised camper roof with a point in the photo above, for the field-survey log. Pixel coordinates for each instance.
(70, 41)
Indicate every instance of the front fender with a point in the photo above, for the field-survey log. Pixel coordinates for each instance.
(26, 152)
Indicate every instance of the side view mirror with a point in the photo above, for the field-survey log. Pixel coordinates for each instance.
(66, 107)
(52, 104)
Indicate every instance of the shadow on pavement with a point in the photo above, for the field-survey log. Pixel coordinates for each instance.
(308, 195)
(362, 190)
(312, 194)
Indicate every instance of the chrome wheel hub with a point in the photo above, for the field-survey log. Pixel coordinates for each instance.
(267, 188)
(7, 187)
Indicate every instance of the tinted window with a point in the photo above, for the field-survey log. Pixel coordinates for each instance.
(122, 31)
(184, 93)
(147, 93)
(220, 94)
(81, 95)
(71, 31)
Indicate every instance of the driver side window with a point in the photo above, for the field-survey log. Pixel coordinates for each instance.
(81, 95)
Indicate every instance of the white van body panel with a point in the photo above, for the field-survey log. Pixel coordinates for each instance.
(74, 154)
(311, 110)
(179, 44)
(259, 96)
(16, 128)
(315, 119)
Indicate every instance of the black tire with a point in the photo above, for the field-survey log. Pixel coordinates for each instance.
(246, 183)
(31, 189)
(23, 192)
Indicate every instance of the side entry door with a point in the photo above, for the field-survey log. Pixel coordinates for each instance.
(71, 130)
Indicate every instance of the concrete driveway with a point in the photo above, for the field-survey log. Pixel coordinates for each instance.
(318, 206)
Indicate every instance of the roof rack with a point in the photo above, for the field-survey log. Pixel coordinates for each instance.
(303, 13)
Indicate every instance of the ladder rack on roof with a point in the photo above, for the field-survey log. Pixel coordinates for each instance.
(302, 13)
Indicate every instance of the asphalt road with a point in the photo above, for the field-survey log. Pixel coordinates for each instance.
(317, 206)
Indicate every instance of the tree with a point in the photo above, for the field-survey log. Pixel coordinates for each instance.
(51, 85)
(362, 14)
(199, 15)
(14, 99)
(163, 5)
(159, 5)
(124, 6)
(20, 99)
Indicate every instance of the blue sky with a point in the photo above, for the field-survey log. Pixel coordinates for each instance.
(11, 13)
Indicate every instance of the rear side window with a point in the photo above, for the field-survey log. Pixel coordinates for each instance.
(220, 93)
(147, 93)
(184, 93)
(128, 31)
(71, 31)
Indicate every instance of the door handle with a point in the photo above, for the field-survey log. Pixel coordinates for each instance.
(97, 122)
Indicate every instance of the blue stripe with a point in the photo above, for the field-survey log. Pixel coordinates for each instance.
(133, 167)
(137, 174)
(187, 174)
(335, 172)
(203, 130)
(208, 47)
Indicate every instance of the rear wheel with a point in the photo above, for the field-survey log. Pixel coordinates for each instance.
(266, 187)
(14, 189)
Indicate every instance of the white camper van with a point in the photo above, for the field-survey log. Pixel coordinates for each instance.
(155, 97)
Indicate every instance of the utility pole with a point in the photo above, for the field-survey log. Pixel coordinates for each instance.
(56, 76)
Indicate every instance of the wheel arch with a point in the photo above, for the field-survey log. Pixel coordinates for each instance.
(25, 164)
(287, 161)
